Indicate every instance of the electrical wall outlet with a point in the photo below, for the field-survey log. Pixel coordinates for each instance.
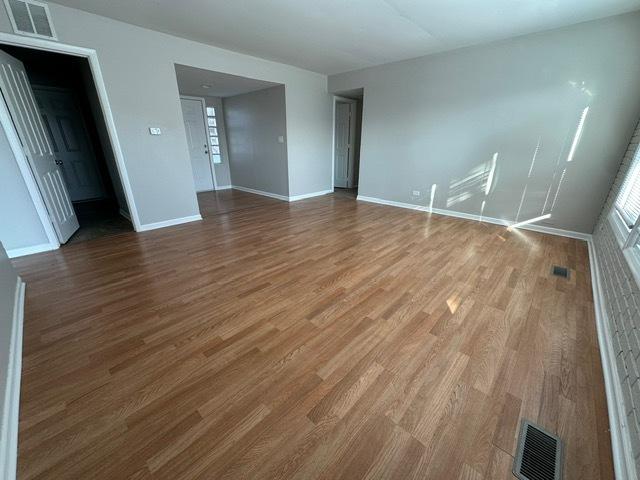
(155, 131)
(416, 193)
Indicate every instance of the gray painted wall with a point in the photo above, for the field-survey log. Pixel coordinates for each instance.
(309, 144)
(19, 222)
(440, 119)
(8, 283)
(254, 121)
(138, 69)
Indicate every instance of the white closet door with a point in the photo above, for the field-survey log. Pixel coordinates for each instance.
(343, 171)
(20, 101)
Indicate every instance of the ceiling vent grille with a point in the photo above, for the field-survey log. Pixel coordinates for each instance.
(30, 17)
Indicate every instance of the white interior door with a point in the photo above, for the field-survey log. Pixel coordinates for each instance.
(70, 142)
(197, 138)
(20, 101)
(344, 155)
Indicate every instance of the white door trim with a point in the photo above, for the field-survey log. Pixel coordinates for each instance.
(92, 56)
(206, 131)
(336, 99)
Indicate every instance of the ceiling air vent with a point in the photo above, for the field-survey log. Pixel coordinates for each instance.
(30, 17)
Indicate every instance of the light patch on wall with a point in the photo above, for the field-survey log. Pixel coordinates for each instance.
(482, 178)
(574, 145)
(526, 186)
(464, 188)
(533, 160)
(582, 87)
(578, 134)
(524, 193)
(452, 200)
(433, 196)
(546, 199)
(555, 198)
(492, 171)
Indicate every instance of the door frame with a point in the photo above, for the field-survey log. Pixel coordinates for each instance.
(16, 147)
(352, 130)
(202, 101)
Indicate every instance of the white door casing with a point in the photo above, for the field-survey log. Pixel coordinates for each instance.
(344, 148)
(193, 114)
(20, 101)
(67, 130)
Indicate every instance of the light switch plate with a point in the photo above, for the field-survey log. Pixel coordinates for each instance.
(155, 131)
(281, 139)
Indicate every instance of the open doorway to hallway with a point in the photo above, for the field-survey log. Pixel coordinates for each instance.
(54, 106)
(236, 135)
(347, 125)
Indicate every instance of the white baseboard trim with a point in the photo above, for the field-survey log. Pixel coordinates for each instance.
(224, 187)
(470, 216)
(169, 223)
(558, 231)
(11, 411)
(21, 252)
(261, 192)
(124, 214)
(295, 198)
(286, 198)
(623, 461)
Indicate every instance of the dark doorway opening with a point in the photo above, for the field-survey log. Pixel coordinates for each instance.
(68, 103)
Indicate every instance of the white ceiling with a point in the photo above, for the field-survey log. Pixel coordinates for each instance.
(191, 79)
(332, 36)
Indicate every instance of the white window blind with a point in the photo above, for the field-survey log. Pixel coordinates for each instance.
(628, 201)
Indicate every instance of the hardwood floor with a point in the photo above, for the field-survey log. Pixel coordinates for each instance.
(227, 201)
(325, 338)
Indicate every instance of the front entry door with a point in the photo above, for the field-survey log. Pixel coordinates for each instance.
(197, 139)
(21, 103)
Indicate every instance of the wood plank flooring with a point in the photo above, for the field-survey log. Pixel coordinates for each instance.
(324, 339)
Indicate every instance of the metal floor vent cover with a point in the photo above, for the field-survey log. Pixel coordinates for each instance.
(559, 271)
(539, 455)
